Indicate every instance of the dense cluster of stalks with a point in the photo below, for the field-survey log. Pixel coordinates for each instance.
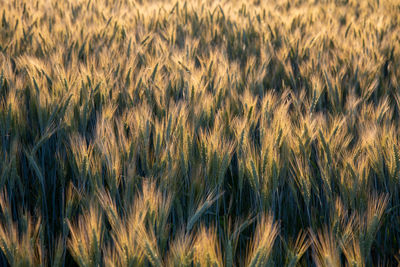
(156, 133)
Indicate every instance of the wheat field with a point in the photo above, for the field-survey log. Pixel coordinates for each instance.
(200, 133)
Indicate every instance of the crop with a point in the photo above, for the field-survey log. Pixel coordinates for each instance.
(199, 133)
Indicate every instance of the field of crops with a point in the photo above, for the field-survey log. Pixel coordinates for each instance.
(200, 133)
